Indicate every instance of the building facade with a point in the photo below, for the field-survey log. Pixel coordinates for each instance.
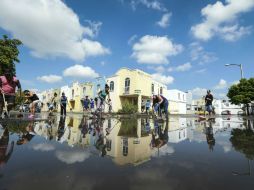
(177, 101)
(132, 86)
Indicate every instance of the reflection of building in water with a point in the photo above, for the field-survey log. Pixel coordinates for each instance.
(178, 130)
(129, 143)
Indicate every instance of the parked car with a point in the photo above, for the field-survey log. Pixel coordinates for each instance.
(226, 112)
(240, 113)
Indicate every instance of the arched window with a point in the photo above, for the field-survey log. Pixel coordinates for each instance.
(152, 88)
(111, 86)
(161, 90)
(127, 84)
(84, 90)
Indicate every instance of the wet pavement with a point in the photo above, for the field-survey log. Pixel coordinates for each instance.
(83, 153)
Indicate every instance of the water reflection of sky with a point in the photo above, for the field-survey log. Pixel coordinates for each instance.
(81, 153)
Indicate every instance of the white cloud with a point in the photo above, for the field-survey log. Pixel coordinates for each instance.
(235, 82)
(50, 28)
(164, 22)
(164, 151)
(163, 78)
(158, 69)
(201, 71)
(43, 147)
(132, 39)
(221, 85)
(93, 48)
(183, 67)
(155, 50)
(80, 71)
(233, 33)
(71, 157)
(180, 68)
(220, 19)
(198, 92)
(198, 54)
(151, 4)
(50, 78)
(94, 28)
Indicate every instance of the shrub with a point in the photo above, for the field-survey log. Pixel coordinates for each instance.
(128, 107)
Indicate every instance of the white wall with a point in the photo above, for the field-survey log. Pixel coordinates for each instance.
(223, 105)
(177, 97)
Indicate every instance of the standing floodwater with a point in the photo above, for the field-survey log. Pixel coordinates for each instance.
(83, 153)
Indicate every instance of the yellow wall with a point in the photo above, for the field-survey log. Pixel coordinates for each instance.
(140, 86)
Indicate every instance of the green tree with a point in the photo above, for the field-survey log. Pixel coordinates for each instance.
(242, 93)
(9, 54)
(243, 140)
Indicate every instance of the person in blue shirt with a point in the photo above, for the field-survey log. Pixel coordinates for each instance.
(86, 103)
(147, 106)
(63, 102)
(91, 104)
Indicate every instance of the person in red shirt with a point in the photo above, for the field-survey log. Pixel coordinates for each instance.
(8, 84)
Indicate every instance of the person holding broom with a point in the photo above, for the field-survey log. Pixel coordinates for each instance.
(8, 84)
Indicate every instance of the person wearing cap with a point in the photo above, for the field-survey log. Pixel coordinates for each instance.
(8, 84)
(208, 102)
(102, 97)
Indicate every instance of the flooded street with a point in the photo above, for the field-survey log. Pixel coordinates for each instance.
(83, 153)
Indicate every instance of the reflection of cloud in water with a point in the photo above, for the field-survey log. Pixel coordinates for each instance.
(225, 145)
(43, 147)
(71, 157)
(163, 151)
(153, 178)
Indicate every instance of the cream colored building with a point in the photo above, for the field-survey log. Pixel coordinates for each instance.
(132, 86)
(46, 98)
(129, 148)
(77, 95)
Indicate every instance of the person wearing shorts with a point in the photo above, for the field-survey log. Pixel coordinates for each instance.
(8, 84)
(208, 102)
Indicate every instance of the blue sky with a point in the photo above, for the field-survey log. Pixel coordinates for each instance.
(183, 44)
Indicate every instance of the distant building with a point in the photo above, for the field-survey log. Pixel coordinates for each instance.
(177, 101)
(223, 106)
(189, 98)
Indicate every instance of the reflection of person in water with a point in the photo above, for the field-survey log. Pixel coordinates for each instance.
(5, 153)
(159, 135)
(209, 134)
(61, 126)
(28, 135)
(51, 123)
(99, 137)
(108, 129)
(83, 126)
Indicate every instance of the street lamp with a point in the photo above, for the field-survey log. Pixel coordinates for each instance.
(239, 65)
